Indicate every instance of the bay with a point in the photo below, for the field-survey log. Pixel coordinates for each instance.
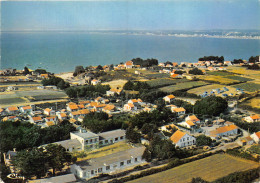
(62, 51)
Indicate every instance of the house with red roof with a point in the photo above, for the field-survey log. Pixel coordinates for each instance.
(179, 110)
(169, 98)
(95, 81)
(224, 131)
(26, 109)
(35, 119)
(130, 107)
(49, 112)
(256, 137)
(12, 110)
(192, 118)
(252, 118)
(72, 107)
(129, 64)
(62, 116)
(182, 139)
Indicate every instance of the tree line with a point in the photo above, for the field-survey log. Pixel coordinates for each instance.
(212, 58)
(22, 135)
(145, 63)
(59, 82)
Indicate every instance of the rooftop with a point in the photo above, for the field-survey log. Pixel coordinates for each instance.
(85, 135)
(177, 136)
(111, 158)
(112, 134)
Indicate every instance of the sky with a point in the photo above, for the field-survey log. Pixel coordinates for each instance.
(130, 15)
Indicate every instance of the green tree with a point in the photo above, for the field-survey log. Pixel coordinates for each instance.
(198, 180)
(128, 85)
(78, 69)
(57, 157)
(132, 135)
(196, 71)
(31, 162)
(26, 71)
(202, 140)
(211, 105)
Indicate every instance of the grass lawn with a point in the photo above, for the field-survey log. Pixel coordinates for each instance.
(209, 169)
(104, 151)
(249, 86)
(182, 86)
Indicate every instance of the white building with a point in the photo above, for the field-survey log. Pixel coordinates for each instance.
(26, 109)
(111, 137)
(224, 131)
(252, 118)
(169, 98)
(182, 139)
(108, 164)
(256, 137)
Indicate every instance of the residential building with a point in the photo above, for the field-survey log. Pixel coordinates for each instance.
(193, 118)
(95, 82)
(72, 107)
(256, 137)
(108, 164)
(26, 109)
(86, 138)
(129, 64)
(12, 110)
(35, 119)
(130, 107)
(252, 118)
(169, 98)
(111, 137)
(113, 91)
(182, 139)
(224, 131)
(179, 111)
(188, 124)
(62, 116)
(49, 112)
(71, 145)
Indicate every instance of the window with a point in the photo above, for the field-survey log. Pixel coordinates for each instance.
(100, 170)
(84, 174)
(92, 172)
(122, 137)
(136, 159)
(187, 138)
(183, 139)
(128, 161)
(91, 140)
(122, 163)
(106, 141)
(116, 139)
(108, 167)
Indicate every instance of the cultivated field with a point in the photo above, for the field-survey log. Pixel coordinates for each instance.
(26, 97)
(253, 74)
(156, 83)
(249, 86)
(209, 88)
(210, 169)
(254, 103)
(182, 86)
(116, 83)
(218, 79)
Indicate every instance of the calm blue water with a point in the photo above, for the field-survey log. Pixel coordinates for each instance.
(61, 52)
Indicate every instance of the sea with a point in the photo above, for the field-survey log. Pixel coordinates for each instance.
(59, 52)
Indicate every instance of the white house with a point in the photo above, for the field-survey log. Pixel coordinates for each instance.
(179, 111)
(108, 164)
(256, 137)
(182, 139)
(62, 116)
(113, 91)
(129, 64)
(49, 112)
(252, 118)
(36, 119)
(95, 82)
(192, 118)
(224, 131)
(130, 107)
(188, 124)
(169, 98)
(26, 109)
(50, 118)
(12, 110)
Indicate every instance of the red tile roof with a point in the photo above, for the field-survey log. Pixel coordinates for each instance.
(12, 108)
(177, 136)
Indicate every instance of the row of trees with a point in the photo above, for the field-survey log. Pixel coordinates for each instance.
(212, 58)
(137, 86)
(196, 71)
(145, 63)
(37, 161)
(87, 91)
(99, 122)
(22, 135)
(59, 82)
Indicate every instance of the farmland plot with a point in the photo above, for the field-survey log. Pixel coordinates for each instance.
(209, 169)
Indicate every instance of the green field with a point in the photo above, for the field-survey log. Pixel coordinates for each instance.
(157, 75)
(250, 87)
(156, 83)
(182, 86)
(11, 101)
(238, 78)
(219, 73)
(209, 169)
